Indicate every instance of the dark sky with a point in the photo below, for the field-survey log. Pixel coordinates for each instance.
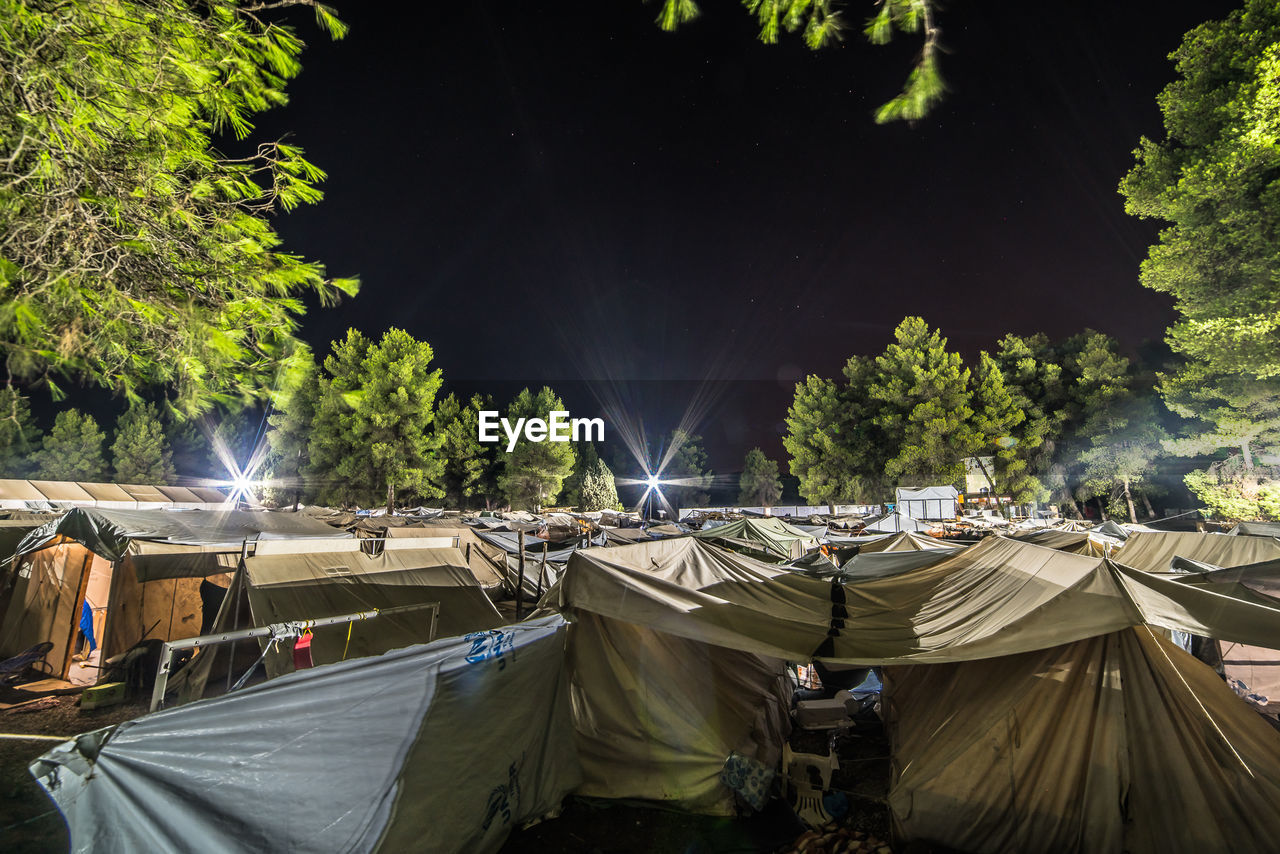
(562, 192)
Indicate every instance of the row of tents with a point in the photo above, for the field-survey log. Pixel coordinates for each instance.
(1034, 694)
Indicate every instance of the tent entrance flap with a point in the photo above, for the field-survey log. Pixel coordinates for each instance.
(276, 632)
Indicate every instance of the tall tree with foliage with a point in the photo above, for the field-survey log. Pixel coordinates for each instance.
(19, 435)
(925, 407)
(1122, 451)
(1215, 177)
(585, 457)
(599, 492)
(533, 473)
(817, 441)
(686, 470)
(133, 253)
(140, 452)
(759, 484)
(73, 449)
(371, 436)
(468, 472)
(995, 418)
(293, 409)
(1034, 379)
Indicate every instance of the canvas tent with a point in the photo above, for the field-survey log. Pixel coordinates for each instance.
(863, 567)
(767, 537)
(998, 599)
(657, 712)
(283, 585)
(142, 568)
(49, 494)
(1076, 542)
(362, 756)
(1116, 743)
(906, 541)
(1256, 529)
(932, 503)
(896, 522)
(1154, 551)
(1254, 670)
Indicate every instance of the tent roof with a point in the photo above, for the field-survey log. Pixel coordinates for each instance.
(895, 522)
(107, 532)
(395, 752)
(1153, 551)
(999, 597)
(905, 541)
(904, 493)
(1076, 542)
(1256, 529)
(774, 535)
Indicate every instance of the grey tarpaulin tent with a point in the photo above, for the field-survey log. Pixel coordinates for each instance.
(415, 750)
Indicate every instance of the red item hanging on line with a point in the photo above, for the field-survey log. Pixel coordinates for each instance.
(302, 652)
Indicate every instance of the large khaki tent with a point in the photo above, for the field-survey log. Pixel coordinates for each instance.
(438, 748)
(1254, 670)
(906, 541)
(141, 571)
(768, 538)
(656, 712)
(1043, 618)
(283, 586)
(1153, 551)
(1116, 743)
(1076, 542)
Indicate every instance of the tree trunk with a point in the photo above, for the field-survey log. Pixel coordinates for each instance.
(1078, 508)
(831, 509)
(1248, 455)
(391, 498)
(1146, 502)
(1128, 498)
(1101, 509)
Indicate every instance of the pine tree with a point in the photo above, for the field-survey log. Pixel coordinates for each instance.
(135, 253)
(140, 453)
(189, 448)
(995, 418)
(759, 485)
(19, 435)
(293, 410)
(817, 440)
(1034, 381)
(534, 472)
(1213, 178)
(371, 436)
(469, 467)
(687, 478)
(925, 406)
(1122, 450)
(598, 489)
(73, 449)
(232, 442)
(585, 457)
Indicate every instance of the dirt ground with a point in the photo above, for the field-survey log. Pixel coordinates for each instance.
(29, 821)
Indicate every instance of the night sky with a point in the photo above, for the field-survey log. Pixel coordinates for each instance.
(564, 194)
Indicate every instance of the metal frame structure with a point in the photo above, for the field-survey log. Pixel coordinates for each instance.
(275, 631)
